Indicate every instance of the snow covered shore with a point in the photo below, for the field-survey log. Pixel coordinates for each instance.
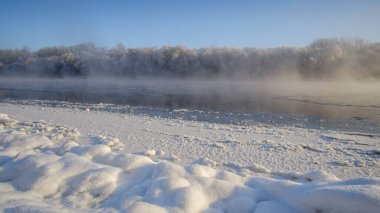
(288, 147)
(47, 165)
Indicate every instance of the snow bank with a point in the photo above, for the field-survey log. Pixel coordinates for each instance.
(40, 172)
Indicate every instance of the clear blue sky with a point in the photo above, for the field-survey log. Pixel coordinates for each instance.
(196, 23)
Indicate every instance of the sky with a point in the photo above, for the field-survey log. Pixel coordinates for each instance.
(197, 23)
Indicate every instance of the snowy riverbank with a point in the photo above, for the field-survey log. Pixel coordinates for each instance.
(88, 160)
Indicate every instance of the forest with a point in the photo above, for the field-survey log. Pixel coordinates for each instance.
(322, 59)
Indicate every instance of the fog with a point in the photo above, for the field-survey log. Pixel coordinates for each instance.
(324, 99)
(324, 59)
(330, 78)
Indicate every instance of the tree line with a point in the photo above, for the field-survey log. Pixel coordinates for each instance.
(322, 59)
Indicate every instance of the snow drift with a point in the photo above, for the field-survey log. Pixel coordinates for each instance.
(44, 168)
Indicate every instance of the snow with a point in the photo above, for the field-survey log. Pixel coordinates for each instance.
(53, 160)
(233, 147)
(150, 152)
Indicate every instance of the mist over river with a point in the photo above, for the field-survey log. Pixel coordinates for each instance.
(331, 100)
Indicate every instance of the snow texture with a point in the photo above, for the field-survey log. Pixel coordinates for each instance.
(44, 167)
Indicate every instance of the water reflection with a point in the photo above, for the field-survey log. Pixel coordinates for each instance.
(323, 99)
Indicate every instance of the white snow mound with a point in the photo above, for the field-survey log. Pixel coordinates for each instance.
(40, 173)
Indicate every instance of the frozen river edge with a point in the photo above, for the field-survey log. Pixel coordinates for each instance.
(88, 160)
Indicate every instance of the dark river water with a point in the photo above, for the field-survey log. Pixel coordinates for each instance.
(330, 100)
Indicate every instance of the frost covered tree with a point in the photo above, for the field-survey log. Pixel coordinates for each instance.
(322, 59)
